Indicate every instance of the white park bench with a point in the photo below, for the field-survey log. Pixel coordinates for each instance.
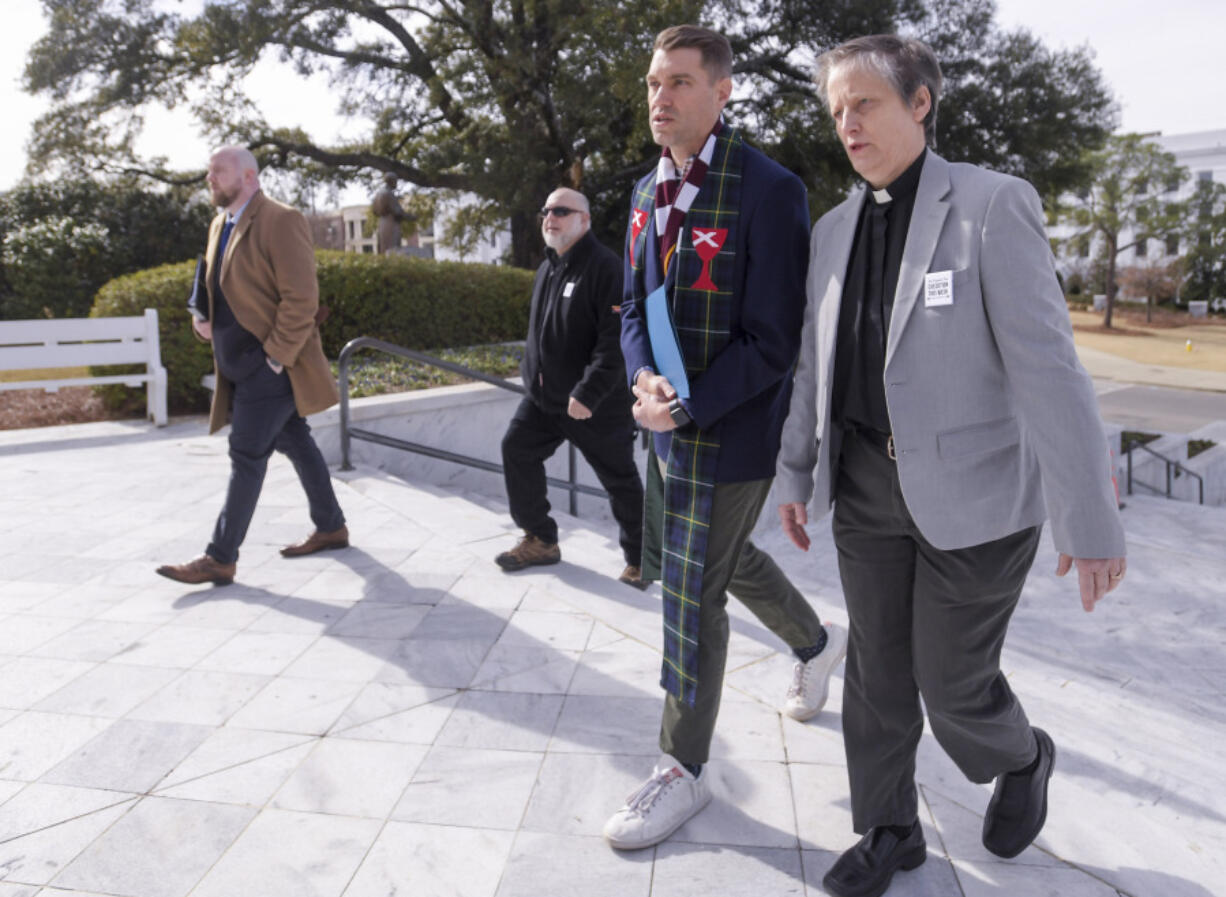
(82, 342)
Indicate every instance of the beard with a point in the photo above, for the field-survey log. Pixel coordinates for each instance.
(222, 197)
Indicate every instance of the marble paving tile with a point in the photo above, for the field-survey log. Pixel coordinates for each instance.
(109, 689)
(27, 680)
(445, 663)
(503, 720)
(8, 789)
(539, 669)
(170, 646)
(256, 653)
(23, 596)
(576, 793)
(386, 711)
(308, 706)
(623, 668)
(748, 730)
(84, 601)
(22, 633)
(203, 608)
(994, 879)
(161, 848)
(540, 598)
(32, 743)
(11, 890)
(750, 806)
(130, 755)
(298, 615)
(819, 740)
(351, 778)
(597, 724)
(288, 854)
(936, 878)
(461, 621)
(563, 632)
(823, 808)
(343, 659)
(961, 832)
(684, 869)
(375, 620)
(468, 787)
(154, 604)
(203, 697)
(551, 865)
(46, 826)
(411, 858)
(95, 640)
(238, 752)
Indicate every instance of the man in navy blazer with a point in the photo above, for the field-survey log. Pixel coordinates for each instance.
(749, 255)
(940, 406)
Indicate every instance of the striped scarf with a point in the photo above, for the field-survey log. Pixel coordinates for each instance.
(675, 195)
(701, 306)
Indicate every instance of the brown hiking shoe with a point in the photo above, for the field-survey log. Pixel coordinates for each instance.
(317, 541)
(633, 576)
(530, 552)
(200, 570)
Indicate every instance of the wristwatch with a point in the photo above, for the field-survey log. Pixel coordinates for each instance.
(678, 413)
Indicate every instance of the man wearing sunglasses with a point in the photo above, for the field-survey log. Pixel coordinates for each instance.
(575, 377)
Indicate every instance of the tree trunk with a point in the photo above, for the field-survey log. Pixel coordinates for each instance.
(1111, 250)
(1149, 309)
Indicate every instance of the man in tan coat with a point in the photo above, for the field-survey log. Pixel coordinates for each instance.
(269, 363)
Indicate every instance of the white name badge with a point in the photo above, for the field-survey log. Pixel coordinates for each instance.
(568, 289)
(938, 288)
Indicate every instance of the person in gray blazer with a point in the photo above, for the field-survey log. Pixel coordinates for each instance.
(939, 406)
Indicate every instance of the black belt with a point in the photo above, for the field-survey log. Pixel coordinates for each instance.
(883, 441)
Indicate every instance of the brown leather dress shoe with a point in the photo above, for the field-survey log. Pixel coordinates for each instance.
(200, 570)
(318, 541)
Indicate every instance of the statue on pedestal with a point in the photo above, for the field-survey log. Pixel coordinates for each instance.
(388, 208)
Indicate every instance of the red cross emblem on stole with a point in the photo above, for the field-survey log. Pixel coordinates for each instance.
(637, 219)
(707, 243)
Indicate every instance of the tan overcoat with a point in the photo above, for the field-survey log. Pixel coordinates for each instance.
(268, 278)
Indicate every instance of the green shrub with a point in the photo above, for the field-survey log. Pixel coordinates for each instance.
(420, 303)
(417, 303)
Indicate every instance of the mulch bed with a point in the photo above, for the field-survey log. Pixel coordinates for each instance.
(21, 408)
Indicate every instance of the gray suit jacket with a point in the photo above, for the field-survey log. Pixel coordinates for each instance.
(995, 422)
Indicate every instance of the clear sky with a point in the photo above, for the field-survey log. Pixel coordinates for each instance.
(1165, 62)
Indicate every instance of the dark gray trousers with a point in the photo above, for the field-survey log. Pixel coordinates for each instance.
(733, 564)
(924, 622)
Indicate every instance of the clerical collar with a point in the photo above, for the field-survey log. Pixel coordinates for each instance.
(903, 185)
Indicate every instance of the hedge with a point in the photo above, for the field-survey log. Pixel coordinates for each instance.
(418, 303)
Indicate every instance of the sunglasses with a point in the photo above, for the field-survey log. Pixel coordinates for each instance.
(556, 212)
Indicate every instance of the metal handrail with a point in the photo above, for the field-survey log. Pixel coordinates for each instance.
(1172, 466)
(347, 432)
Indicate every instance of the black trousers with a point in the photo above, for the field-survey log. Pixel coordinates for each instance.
(606, 442)
(924, 622)
(264, 418)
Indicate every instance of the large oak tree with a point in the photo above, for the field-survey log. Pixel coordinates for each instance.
(504, 100)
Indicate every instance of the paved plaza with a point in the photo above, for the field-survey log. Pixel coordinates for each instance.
(402, 718)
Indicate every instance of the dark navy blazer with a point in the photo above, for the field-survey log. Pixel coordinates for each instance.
(743, 394)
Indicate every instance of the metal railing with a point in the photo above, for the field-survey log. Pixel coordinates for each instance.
(348, 432)
(1173, 469)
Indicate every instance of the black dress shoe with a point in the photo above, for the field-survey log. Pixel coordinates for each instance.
(866, 869)
(1018, 807)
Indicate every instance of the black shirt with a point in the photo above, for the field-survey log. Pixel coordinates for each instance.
(868, 301)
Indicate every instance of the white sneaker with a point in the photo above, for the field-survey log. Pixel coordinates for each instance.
(660, 807)
(811, 681)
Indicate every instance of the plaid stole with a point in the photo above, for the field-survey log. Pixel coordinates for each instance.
(701, 304)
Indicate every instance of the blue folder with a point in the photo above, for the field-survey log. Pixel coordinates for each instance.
(664, 344)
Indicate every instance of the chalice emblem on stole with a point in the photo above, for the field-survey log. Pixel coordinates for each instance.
(707, 243)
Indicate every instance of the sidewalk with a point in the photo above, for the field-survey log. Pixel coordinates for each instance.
(403, 718)
(1103, 365)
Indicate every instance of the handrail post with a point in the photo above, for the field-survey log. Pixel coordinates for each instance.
(1131, 445)
(571, 478)
(1168, 479)
(343, 377)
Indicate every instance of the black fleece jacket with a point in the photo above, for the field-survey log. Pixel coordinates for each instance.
(574, 332)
